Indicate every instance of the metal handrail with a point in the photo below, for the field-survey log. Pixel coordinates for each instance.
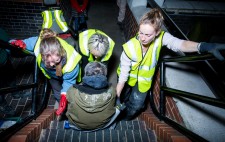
(35, 112)
(175, 30)
(166, 91)
(207, 100)
(216, 84)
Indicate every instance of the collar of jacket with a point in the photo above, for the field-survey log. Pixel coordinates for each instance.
(89, 90)
(95, 81)
(93, 84)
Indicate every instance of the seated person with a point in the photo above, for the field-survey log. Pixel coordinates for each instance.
(91, 105)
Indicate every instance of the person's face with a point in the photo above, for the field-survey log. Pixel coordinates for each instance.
(52, 60)
(147, 34)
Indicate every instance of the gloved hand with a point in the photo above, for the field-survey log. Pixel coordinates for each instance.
(19, 43)
(119, 105)
(62, 104)
(212, 48)
(118, 101)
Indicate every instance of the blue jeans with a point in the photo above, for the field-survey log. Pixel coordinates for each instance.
(134, 101)
(80, 23)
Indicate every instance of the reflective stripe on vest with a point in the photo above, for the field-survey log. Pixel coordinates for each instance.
(72, 57)
(83, 44)
(48, 19)
(142, 69)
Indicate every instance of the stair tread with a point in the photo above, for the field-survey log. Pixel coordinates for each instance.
(122, 125)
(98, 136)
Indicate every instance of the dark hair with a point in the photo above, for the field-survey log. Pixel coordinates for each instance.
(95, 68)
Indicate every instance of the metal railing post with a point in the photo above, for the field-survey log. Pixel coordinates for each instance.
(34, 90)
(162, 97)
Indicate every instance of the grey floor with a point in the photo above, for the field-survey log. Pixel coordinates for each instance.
(102, 15)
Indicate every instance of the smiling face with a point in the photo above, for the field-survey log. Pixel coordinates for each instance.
(52, 60)
(147, 34)
(51, 52)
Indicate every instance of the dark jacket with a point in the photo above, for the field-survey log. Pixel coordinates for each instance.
(88, 107)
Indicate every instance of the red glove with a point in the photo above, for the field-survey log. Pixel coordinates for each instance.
(19, 43)
(62, 104)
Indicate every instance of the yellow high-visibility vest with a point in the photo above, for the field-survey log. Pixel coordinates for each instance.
(72, 57)
(142, 68)
(83, 44)
(50, 16)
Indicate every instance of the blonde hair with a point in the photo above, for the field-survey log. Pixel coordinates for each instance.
(98, 44)
(50, 45)
(154, 18)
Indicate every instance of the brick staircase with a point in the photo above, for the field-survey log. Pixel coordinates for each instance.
(130, 131)
(145, 127)
(32, 131)
(164, 132)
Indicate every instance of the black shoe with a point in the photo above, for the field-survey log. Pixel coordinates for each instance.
(21, 94)
(6, 109)
(75, 35)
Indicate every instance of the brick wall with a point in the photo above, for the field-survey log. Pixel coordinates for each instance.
(131, 25)
(32, 131)
(21, 18)
(171, 110)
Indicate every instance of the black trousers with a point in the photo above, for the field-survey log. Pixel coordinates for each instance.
(56, 88)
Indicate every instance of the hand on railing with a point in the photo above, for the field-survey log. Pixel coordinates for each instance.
(18, 43)
(213, 48)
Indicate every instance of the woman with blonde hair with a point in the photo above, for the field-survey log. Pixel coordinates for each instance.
(140, 57)
(58, 61)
